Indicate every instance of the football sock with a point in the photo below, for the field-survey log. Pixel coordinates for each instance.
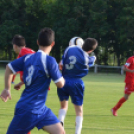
(119, 104)
(78, 127)
(62, 114)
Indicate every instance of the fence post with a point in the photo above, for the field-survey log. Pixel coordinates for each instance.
(122, 71)
(95, 68)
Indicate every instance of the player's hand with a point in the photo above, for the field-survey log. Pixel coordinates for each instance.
(18, 86)
(5, 95)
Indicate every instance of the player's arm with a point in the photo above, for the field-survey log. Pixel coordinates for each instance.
(19, 85)
(6, 94)
(92, 60)
(11, 68)
(126, 66)
(60, 83)
(55, 73)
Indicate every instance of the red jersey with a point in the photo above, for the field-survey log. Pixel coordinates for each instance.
(23, 52)
(130, 65)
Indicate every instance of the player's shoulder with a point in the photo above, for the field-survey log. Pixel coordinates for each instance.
(25, 51)
(73, 49)
(51, 59)
(131, 58)
(28, 49)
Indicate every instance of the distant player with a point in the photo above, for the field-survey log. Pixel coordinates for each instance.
(19, 47)
(76, 62)
(38, 69)
(129, 87)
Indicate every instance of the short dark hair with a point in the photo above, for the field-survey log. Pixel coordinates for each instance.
(19, 40)
(46, 37)
(89, 44)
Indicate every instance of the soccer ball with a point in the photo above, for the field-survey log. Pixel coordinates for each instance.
(76, 41)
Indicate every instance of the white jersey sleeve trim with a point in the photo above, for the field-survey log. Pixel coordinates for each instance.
(86, 59)
(56, 81)
(43, 60)
(10, 66)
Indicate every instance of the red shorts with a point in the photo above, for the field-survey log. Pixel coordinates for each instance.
(129, 88)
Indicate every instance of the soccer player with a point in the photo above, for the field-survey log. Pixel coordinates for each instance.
(76, 62)
(38, 69)
(19, 47)
(129, 87)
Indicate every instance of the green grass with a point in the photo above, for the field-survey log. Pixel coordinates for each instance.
(101, 94)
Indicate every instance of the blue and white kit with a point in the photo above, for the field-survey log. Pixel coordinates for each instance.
(31, 111)
(76, 63)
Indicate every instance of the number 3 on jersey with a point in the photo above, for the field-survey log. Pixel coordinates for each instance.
(71, 64)
(30, 74)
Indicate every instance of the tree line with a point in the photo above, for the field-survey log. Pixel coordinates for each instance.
(111, 22)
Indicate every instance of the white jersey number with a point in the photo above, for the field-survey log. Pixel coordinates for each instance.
(71, 64)
(30, 74)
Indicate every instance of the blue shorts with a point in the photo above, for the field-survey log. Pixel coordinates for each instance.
(24, 121)
(73, 88)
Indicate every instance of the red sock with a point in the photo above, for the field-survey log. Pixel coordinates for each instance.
(29, 133)
(119, 104)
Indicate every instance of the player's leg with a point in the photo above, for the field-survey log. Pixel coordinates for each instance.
(50, 123)
(119, 104)
(128, 90)
(63, 97)
(77, 94)
(79, 118)
(63, 111)
(54, 129)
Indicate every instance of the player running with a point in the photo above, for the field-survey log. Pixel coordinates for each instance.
(38, 69)
(129, 87)
(76, 62)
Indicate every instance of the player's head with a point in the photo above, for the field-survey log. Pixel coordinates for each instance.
(76, 41)
(90, 45)
(18, 42)
(46, 37)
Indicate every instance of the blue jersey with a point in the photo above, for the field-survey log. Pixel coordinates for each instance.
(76, 62)
(38, 69)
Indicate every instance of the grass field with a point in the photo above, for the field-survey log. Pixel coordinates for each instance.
(101, 93)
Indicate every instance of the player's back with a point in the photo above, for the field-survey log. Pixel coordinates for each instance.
(36, 81)
(75, 62)
(130, 65)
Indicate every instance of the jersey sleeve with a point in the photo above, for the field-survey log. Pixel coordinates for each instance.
(17, 65)
(91, 61)
(53, 70)
(128, 62)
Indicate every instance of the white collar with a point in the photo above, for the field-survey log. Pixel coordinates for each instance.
(41, 51)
